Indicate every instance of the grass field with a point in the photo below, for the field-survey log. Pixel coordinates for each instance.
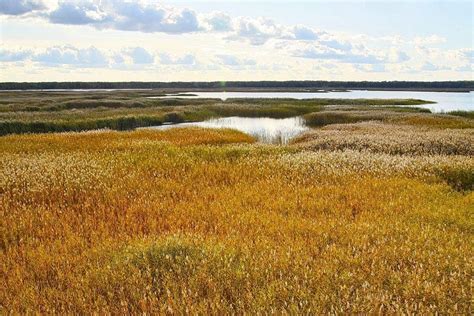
(369, 212)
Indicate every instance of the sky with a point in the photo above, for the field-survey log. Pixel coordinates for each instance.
(151, 40)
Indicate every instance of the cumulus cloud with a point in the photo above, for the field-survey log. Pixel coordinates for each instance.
(301, 32)
(336, 44)
(256, 31)
(118, 58)
(69, 55)
(140, 56)
(7, 55)
(344, 52)
(78, 13)
(152, 16)
(218, 22)
(322, 52)
(92, 57)
(397, 56)
(438, 59)
(125, 16)
(19, 7)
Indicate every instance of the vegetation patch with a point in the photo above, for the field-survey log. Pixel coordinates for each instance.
(389, 138)
(42, 112)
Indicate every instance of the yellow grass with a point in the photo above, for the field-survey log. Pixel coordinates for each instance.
(201, 221)
(391, 139)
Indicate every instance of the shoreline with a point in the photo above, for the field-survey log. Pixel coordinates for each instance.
(256, 90)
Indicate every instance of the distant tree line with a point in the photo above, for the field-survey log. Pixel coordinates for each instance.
(454, 85)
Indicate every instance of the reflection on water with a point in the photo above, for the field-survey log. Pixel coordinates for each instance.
(445, 101)
(265, 130)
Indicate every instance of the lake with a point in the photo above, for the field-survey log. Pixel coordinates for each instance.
(265, 130)
(445, 101)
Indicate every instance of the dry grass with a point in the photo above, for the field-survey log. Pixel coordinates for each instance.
(183, 221)
(389, 138)
(394, 116)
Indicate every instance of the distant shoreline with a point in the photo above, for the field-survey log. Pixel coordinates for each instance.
(184, 90)
(249, 86)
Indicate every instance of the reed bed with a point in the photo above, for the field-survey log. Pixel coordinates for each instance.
(203, 221)
(387, 115)
(390, 138)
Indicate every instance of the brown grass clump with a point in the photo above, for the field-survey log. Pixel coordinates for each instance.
(390, 138)
(184, 221)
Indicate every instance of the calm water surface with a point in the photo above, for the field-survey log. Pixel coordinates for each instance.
(445, 101)
(265, 130)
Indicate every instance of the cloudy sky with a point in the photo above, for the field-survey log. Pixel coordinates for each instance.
(151, 40)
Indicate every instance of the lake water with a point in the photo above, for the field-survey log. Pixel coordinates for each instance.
(265, 130)
(445, 101)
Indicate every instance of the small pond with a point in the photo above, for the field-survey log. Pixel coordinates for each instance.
(264, 129)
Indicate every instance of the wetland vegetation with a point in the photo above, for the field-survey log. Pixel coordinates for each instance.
(40, 112)
(369, 211)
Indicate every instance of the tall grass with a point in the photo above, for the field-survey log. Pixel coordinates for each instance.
(467, 114)
(201, 222)
(354, 217)
(318, 119)
(389, 138)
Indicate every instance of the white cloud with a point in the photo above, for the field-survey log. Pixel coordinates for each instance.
(125, 16)
(397, 56)
(434, 59)
(337, 44)
(78, 13)
(69, 55)
(322, 52)
(118, 59)
(7, 55)
(19, 7)
(218, 22)
(256, 31)
(301, 32)
(140, 56)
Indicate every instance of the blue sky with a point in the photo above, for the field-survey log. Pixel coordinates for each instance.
(121, 40)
